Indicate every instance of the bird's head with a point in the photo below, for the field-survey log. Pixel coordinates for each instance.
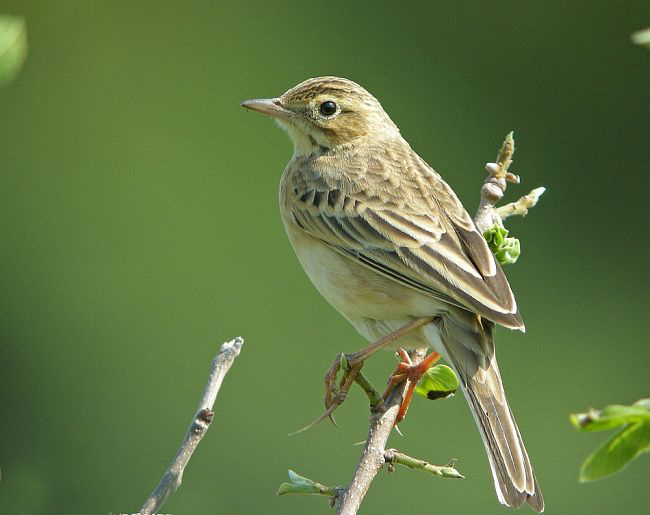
(326, 112)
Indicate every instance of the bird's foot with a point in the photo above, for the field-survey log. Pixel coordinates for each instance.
(406, 370)
(351, 365)
(336, 391)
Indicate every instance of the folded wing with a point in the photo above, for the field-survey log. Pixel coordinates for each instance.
(426, 240)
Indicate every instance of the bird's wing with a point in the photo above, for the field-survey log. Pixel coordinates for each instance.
(397, 216)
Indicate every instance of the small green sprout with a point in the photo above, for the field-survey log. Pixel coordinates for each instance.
(505, 249)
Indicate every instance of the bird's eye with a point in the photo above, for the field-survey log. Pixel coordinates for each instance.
(327, 108)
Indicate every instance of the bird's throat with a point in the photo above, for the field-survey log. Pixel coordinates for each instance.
(304, 144)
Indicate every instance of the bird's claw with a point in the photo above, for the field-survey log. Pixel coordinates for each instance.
(335, 393)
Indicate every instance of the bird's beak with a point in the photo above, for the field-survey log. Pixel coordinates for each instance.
(270, 106)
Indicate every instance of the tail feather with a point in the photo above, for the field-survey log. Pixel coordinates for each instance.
(470, 350)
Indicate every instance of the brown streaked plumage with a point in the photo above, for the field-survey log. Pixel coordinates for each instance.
(385, 239)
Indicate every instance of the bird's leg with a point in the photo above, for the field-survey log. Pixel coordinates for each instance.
(351, 365)
(334, 396)
(407, 370)
(366, 352)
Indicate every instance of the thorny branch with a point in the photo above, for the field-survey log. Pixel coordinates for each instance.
(373, 456)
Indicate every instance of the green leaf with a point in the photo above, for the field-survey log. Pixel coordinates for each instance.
(303, 485)
(298, 485)
(622, 448)
(438, 382)
(13, 46)
(633, 438)
(505, 249)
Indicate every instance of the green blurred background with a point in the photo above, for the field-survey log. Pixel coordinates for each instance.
(140, 229)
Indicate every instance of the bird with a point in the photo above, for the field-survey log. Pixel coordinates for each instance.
(385, 240)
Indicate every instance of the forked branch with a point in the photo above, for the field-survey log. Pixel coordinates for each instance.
(494, 188)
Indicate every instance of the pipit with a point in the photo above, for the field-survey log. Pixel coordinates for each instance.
(387, 242)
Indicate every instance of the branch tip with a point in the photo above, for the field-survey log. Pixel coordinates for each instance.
(233, 346)
(494, 187)
(392, 457)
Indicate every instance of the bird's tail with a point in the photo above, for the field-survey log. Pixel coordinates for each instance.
(470, 350)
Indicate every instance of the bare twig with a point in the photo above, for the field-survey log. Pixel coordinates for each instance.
(392, 456)
(200, 424)
(521, 206)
